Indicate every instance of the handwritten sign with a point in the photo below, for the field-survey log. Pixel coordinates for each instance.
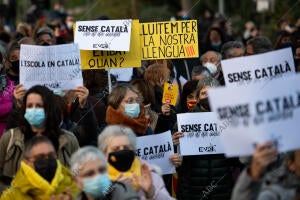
(157, 149)
(56, 67)
(170, 94)
(201, 133)
(260, 67)
(107, 35)
(259, 114)
(115, 59)
(169, 40)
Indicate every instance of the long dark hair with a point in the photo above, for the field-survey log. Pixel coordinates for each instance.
(53, 115)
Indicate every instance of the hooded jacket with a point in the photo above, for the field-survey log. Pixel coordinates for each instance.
(12, 148)
(28, 184)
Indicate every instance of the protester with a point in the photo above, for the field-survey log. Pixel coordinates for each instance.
(156, 75)
(118, 144)
(249, 32)
(214, 40)
(89, 167)
(41, 175)
(188, 97)
(38, 116)
(232, 49)
(259, 44)
(199, 172)
(9, 77)
(45, 36)
(125, 108)
(256, 182)
(212, 61)
(284, 40)
(199, 72)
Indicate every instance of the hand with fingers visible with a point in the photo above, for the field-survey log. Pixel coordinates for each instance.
(63, 196)
(82, 93)
(166, 109)
(176, 136)
(263, 156)
(19, 93)
(125, 179)
(145, 181)
(176, 159)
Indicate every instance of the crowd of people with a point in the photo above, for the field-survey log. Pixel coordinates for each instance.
(80, 144)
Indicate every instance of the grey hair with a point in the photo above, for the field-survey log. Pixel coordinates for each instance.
(219, 56)
(113, 131)
(227, 48)
(208, 81)
(84, 155)
(260, 44)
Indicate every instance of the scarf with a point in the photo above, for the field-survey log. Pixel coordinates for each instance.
(138, 125)
(135, 168)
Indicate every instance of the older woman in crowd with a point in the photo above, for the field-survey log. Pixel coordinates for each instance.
(89, 167)
(118, 144)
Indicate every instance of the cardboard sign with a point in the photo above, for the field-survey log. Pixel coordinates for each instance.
(106, 35)
(169, 40)
(257, 68)
(56, 67)
(170, 94)
(157, 149)
(201, 134)
(115, 59)
(258, 114)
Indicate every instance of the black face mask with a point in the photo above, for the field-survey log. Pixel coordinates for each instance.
(46, 168)
(15, 66)
(45, 44)
(205, 104)
(121, 160)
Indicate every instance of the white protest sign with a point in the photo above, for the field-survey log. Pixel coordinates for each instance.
(260, 67)
(56, 67)
(123, 74)
(201, 133)
(106, 35)
(258, 113)
(157, 149)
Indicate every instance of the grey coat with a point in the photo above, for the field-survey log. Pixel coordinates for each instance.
(280, 184)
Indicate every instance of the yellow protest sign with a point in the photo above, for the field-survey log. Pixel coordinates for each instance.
(169, 40)
(93, 59)
(170, 94)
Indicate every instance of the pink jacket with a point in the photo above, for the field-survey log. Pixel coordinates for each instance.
(6, 102)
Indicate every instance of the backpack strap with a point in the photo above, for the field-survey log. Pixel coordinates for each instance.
(10, 143)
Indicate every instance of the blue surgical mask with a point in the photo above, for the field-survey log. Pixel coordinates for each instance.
(35, 117)
(132, 110)
(97, 186)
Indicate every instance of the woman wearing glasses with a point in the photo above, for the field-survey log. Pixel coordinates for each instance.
(89, 167)
(39, 116)
(125, 108)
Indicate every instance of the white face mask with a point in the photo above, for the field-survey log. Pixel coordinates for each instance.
(70, 24)
(211, 67)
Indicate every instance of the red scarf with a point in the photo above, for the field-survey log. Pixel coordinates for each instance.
(138, 125)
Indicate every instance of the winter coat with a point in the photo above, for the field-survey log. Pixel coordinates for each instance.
(12, 149)
(28, 184)
(6, 103)
(280, 184)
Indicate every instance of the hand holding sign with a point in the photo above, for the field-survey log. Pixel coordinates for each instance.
(175, 138)
(176, 159)
(19, 93)
(264, 155)
(82, 94)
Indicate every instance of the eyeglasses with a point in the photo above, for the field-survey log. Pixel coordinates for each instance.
(42, 156)
(132, 100)
(89, 173)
